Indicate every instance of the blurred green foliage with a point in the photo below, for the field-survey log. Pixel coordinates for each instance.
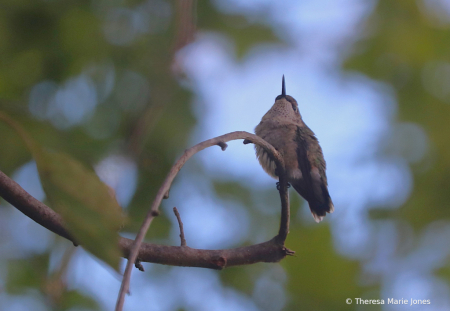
(401, 42)
(27, 274)
(320, 278)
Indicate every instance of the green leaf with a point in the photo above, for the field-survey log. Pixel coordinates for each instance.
(86, 204)
(88, 207)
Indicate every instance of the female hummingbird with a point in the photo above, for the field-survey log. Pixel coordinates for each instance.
(282, 127)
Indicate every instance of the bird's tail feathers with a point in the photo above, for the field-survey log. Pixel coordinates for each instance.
(319, 211)
(320, 204)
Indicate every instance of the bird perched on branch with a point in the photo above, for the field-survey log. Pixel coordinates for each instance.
(282, 127)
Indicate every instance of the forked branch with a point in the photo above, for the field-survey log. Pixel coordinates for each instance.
(164, 190)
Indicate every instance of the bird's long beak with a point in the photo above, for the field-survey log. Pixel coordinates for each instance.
(283, 88)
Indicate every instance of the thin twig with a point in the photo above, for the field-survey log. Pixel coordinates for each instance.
(180, 224)
(284, 227)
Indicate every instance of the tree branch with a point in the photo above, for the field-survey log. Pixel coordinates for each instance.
(13, 193)
(220, 141)
(270, 251)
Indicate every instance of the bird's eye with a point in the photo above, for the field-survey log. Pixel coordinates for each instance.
(294, 107)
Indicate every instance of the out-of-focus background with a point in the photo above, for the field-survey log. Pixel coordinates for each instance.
(124, 87)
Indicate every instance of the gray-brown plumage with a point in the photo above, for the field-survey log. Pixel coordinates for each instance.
(282, 126)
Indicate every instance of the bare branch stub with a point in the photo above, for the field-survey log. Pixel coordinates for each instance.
(222, 145)
(180, 224)
(139, 265)
(166, 195)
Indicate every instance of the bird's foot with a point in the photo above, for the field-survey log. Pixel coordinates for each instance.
(278, 186)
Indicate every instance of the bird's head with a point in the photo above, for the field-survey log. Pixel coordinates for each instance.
(285, 108)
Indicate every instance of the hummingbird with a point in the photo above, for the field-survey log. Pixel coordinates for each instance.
(283, 127)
